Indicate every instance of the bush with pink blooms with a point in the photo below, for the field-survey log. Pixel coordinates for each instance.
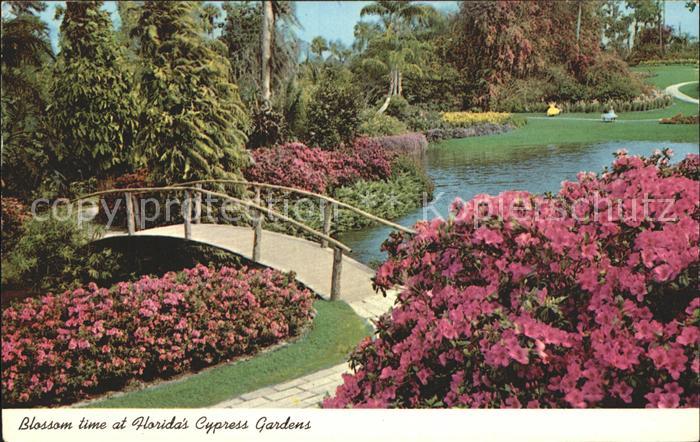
(62, 348)
(317, 170)
(586, 298)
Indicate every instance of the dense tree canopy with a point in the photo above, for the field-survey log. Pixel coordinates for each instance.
(94, 110)
(193, 123)
(178, 87)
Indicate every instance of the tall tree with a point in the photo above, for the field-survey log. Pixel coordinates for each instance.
(93, 109)
(364, 32)
(193, 122)
(319, 45)
(241, 33)
(268, 24)
(396, 18)
(616, 25)
(26, 52)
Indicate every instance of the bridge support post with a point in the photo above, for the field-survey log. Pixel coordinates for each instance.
(138, 217)
(198, 205)
(257, 227)
(187, 214)
(335, 277)
(327, 218)
(130, 220)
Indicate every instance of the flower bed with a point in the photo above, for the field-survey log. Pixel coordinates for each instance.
(579, 299)
(317, 170)
(61, 348)
(681, 119)
(466, 119)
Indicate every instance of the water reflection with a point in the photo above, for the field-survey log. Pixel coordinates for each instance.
(468, 172)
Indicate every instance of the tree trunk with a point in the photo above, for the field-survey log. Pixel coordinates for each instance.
(400, 84)
(266, 49)
(578, 24)
(392, 86)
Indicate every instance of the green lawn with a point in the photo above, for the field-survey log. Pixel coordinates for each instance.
(664, 76)
(564, 129)
(691, 89)
(335, 333)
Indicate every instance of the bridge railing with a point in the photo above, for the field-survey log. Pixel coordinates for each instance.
(192, 201)
(329, 206)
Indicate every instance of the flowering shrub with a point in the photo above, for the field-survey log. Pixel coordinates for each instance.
(61, 348)
(463, 119)
(410, 143)
(317, 170)
(681, 119)
(465, 132)
(587, 298)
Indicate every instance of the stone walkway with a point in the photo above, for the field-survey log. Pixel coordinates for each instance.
(674, 91)
(308, 391)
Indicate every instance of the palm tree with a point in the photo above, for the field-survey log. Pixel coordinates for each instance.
(339, 52)
(318, 46)
(396, 18)
(364, 32)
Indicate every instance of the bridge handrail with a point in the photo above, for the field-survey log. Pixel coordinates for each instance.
(307, 193)
(337, 244)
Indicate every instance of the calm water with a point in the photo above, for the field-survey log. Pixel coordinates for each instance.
(468, 172)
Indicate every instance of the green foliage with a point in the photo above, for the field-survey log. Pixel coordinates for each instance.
(26, 54)
(193, 125)
(93, 109)
(241, 35)
(55, 255)
(398, 108)
(610, 78)
(373, 124)
(405, 165)
(333, 113)
(387, 199)
(14, 214)
(269, 128)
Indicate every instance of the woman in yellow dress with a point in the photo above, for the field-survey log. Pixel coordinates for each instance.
(553, 110)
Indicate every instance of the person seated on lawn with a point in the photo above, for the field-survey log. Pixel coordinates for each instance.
(553, 110)
(609, 115)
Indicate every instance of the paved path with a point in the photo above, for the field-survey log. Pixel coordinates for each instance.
(312, 265)
(308, 391)
(673, 90)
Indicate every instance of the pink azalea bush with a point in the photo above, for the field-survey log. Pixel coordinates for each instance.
(61, 348)
(580, 299)
(317, 170)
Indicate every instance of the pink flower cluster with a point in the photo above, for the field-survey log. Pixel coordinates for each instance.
(61, 348)
(599, 308)
(317, 170)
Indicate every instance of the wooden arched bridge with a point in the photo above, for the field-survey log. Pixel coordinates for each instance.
(321, 263)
